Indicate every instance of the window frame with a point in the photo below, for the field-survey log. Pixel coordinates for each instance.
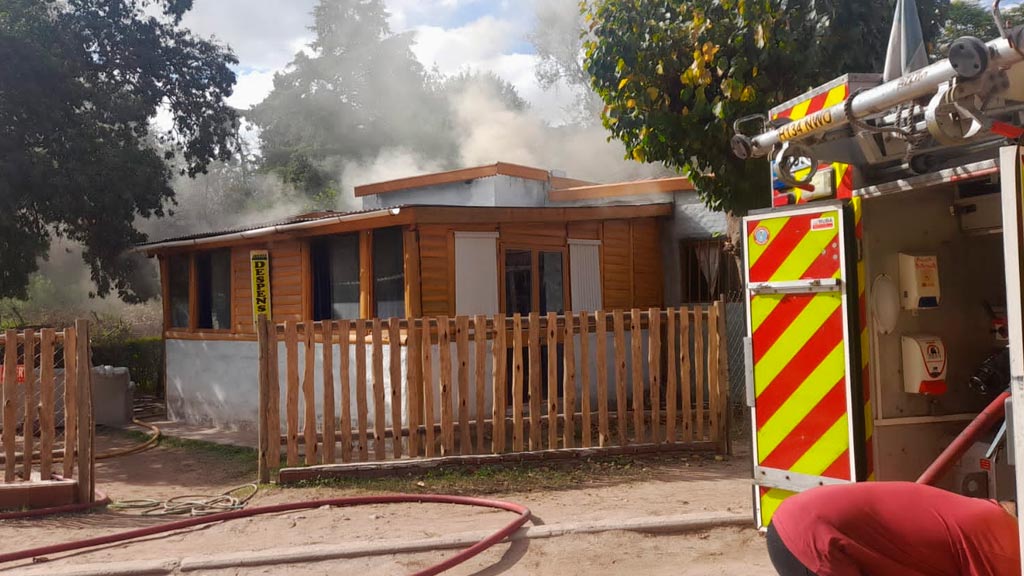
(193, 293)
(535, 250)
(367, 279)
(231, 290)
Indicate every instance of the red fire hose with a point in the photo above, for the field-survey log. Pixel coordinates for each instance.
(980, 425)
(462, 556)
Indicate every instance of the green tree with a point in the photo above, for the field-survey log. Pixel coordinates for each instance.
(357, 90)
(966, 18)
(676, 74)
(80, 82)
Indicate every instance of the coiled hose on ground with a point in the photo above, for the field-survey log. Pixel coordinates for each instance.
(523, 515)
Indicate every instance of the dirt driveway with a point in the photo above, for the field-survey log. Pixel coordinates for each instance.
(624, 489)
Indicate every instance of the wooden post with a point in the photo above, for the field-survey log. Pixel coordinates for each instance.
(362, 412)
(395, 349)
(517, 383)
(273, 400)
(535, 382)
(328, 452)
(620, 373)
(28, 427)
(86, 420)
(48, 408)
(585, 404)
(724, 409)
(684, 374)
(636, 341)
(345, 421)
(603, 434)
(309, 396)
(444, 342)
(569, 384)
(699, 362)
(380, 425)
(712, 367)
(480, 369)
(671, 394)
(498, 384)
(414, 387)
(265, 440)
(70, 401)
(654, 370)
(428, 390)
(291, 344)
(462, 349)
(10, 404)
(552, 341)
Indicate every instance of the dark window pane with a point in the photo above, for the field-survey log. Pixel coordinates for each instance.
(388, 273)
(552, 297)
(518, 281)
(344, 275)
(179, 271)
(213, 274)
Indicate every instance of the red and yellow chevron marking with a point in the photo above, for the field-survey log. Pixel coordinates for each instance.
(842, 173)
(794, 247)
(799, 352)
(865, 349)
(815, 104)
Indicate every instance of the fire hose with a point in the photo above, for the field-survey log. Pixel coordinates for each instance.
(980, 425)
(523, 515)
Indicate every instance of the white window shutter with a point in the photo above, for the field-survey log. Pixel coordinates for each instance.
(585, 275)
(476, 273)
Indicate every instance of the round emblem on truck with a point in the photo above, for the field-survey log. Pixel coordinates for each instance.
(761, 235)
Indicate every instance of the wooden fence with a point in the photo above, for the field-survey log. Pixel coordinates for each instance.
(35, 366)
(491, 385)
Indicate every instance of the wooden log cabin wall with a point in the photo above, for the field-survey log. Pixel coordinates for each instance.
(630, 260)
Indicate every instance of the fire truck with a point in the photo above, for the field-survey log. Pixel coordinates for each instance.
(885, 330)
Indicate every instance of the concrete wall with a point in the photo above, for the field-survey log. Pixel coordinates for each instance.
(970, 272)
(214, 382)
(498, 190)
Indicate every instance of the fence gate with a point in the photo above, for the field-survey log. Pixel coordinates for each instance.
(47, 425)
(799, 378)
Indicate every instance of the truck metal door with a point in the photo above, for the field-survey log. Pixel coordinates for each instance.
(800, 384)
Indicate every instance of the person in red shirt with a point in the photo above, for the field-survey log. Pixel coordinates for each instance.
(892, 529)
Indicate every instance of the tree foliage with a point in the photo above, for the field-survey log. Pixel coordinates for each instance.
(358, 89)
(676, 74)
(80, 82)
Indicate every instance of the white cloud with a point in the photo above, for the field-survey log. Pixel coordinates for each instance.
(251, 89)
(455, 49)
(264, 34)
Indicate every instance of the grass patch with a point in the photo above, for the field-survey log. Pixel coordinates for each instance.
(529, 477)
(240, 457)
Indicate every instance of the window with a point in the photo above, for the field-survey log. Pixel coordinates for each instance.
(337, 281)
(708, 274)
(213, 289)
(534, 281)
(336, 277)
(388, 273)
(179, 271)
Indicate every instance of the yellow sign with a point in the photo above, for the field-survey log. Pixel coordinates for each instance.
(260, 263)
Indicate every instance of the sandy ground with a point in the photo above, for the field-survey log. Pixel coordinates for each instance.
(671, 487)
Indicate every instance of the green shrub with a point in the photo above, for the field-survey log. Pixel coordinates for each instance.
(144, 358)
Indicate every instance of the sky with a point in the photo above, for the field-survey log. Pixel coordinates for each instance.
(453, 35)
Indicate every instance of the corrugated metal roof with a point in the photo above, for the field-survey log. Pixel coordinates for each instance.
(307, 217)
